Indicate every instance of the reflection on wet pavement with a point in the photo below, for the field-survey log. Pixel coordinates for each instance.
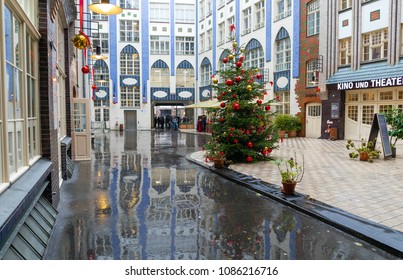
(139, 198)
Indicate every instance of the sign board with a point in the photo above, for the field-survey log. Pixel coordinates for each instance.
(379, 125)
(334, 111)
(374, 83)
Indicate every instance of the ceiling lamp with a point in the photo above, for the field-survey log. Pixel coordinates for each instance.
(98, 54)
(105, 8)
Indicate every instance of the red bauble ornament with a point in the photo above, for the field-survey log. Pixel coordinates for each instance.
(238, 79)
(241, 58)
(234, 96)
(229, 82)
(85, 69)
(225, 60)
(249, 159)
(258, 76)
(259, 101)
(94, 86)
(219, 97)
(270, 150)
(250, 144)
(223, 93)
(267, 108)
(264, 152)
(232, 128)
(247, 131)
(238, 64)
(222, 104)
(222, 120)
(265, 93)
(236, 141)
(236, 106)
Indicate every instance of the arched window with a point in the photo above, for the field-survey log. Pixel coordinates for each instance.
(185, 75)
(129, 61)
(101, 73)
(159, 74)
(283, 50)
(254, 56)
(205, 72)
(221, 64)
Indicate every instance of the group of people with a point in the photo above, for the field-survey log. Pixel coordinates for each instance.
(167, 122)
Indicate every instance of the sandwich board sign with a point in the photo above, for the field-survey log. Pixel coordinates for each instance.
(379, 125)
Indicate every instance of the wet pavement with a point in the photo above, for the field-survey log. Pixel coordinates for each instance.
(141, 198)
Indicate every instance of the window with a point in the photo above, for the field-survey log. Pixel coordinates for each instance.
(201, 5)
(368, 96)
(230, 21)
(367, 114)
(352, 97)
(385, 95)
(254, 58)
(129, 4)
(130, 96)
(209, 7)
(345, 51)
(209, 39)
(101, 39)
(159, 12)
(159, 44)
(129, 31)
(259, 14)
(201, 43)
(375, 45)
(185, 45)
(185, 77)
(312, 73)
(283, 9)
(97, 114)
(283, 106)
(345, 4)
(246, 20)
(160, 74)
(221, 33)
(205, 74)
(98, 17)
(283, 54)
(313, 18)
(352, 112)
(129, 61)
(185, 13)
(101, 73)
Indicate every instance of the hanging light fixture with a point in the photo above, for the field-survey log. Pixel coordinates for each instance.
(98, 54)
(105, 8)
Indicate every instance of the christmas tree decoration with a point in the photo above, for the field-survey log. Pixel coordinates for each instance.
(215, 80)
(225, 60)
(94, 86)
(85, 69)
(242, 124)
(234, 44)
(80, 41)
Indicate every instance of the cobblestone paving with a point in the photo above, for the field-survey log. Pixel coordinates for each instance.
(373, 191)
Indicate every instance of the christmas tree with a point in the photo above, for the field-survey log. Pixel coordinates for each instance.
(242, 127)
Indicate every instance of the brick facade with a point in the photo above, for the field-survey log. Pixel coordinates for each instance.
(309, 49)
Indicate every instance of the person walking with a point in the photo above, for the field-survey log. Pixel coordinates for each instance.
(204, 122)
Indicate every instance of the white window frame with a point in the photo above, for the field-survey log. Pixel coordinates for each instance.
(345, 4)
(185, 13)
(345, 51)
(185, 45)
(160, 77)
(312, 73)
(283, 106)
(283, 54)
(101, 39)
(259, 14)
(129, 64)
(313, 18)
(283, 9)
(247, 20)
(129, 4)
(221, 33)
(205, 75)
(230, 21)
(159, 12)
(209, 37)
(185, 78)
(129, 30)
(373, 43)
(254, 58)
(130, 97)
(159, 44)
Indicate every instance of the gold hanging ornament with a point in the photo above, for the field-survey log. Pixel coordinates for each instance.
(249, 87)
(231, 57)
(80, 41)
(234, 44)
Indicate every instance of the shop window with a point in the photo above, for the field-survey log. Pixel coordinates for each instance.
(386, 95)
(352, 97)
(352, 112)
(368, 96)
(367, 114)
(385, 108)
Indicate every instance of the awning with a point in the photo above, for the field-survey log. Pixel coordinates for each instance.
(211, 103)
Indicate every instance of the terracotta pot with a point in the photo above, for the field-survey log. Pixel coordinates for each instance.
(282, 133)
(364, 156)
(292, 133)
(218, 163)
(288, 188)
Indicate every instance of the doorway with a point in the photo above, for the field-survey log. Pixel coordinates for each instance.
(313, 120)
(131, 120)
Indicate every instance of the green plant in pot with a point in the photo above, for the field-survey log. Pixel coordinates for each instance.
(283, 123)
(394, 118)
(365, 151)
(295, 126)
(291, 174)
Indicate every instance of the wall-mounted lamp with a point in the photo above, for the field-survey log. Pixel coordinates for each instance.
(98, 54)
(105, 8)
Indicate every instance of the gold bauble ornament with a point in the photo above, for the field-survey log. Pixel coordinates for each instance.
(80, 41)
(242, 50)
(234, 44)
(231, 57)
(249, 87)
(215, 80)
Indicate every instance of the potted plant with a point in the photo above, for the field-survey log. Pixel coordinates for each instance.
(295, 125)
(291, 174)
(283, 123)
(365, 152)
(394, 118)
(216, 155)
